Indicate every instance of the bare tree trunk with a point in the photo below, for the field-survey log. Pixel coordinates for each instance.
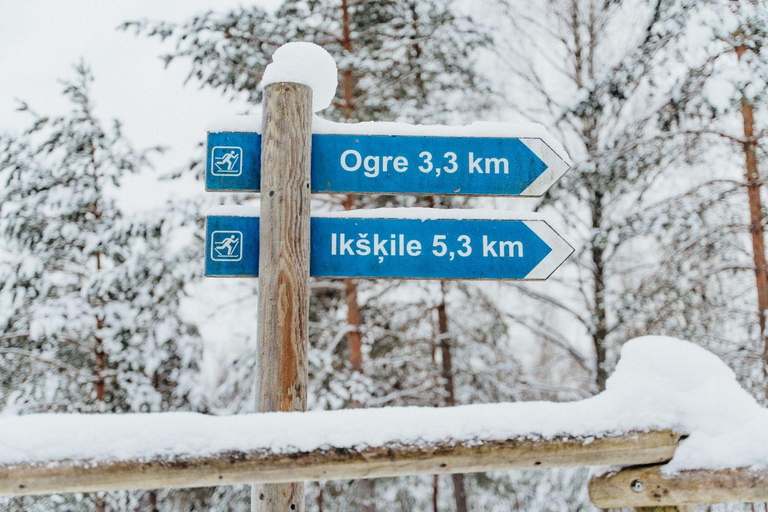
(366, 501)
(365, 488)
(347, 80)
(435, 492)
(599, 314)
(353, 320)
(354, 337)
(153, 501)
(98, 504)
(98, 350)
(101, 364)
(98, 347)
(459, 491)
(756, 228)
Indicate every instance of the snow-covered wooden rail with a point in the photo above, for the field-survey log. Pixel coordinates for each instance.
(650, 487)
(334, 462)
(661, 390)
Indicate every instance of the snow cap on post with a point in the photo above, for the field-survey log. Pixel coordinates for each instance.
(308, 64)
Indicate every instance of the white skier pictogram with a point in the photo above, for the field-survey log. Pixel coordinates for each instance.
(226, 246)
(226, 161)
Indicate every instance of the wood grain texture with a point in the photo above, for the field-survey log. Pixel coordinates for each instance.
(264, 467)
(698, 487)
(283, 327)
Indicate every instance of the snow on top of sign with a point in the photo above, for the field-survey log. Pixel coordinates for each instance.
(320, 126)
(250, 123)
(659, 383)
(308, 64)
(435, 213)
(233, 210)
(230, 210)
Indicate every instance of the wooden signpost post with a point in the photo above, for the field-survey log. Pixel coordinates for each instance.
(283, 327)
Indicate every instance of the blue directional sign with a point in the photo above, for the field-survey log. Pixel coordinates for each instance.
(400, 248)
(395, 164)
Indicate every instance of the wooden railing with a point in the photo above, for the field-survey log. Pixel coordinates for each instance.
(263, 466)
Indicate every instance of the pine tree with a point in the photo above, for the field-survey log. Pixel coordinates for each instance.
(90, 319)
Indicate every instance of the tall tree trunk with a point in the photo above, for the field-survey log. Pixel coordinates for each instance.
(365, 488)
(101, 364)
(152, 495)
(347, 81)
(599, 315)
(756, 227)
(459, 491)
(366, 501)
(98, 349)
(435, 492)
(354, 336)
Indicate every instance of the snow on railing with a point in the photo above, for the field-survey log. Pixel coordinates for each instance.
(663, 390)
(264, 465)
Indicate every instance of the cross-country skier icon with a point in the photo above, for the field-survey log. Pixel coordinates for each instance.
(227, 161)
(226, 248)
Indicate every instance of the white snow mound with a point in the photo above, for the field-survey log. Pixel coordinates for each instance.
(660, 383)
(308, 64)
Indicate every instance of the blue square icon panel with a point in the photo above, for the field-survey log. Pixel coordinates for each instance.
(232, 162)
(232, 246)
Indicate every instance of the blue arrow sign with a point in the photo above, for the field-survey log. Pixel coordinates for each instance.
(395, 164)
(399, 248)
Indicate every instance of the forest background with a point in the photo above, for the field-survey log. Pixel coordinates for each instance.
(103, 307)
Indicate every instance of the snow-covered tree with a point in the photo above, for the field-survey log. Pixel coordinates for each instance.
(720, 102)
(89, 295)
(398, 59)
(591, 71)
